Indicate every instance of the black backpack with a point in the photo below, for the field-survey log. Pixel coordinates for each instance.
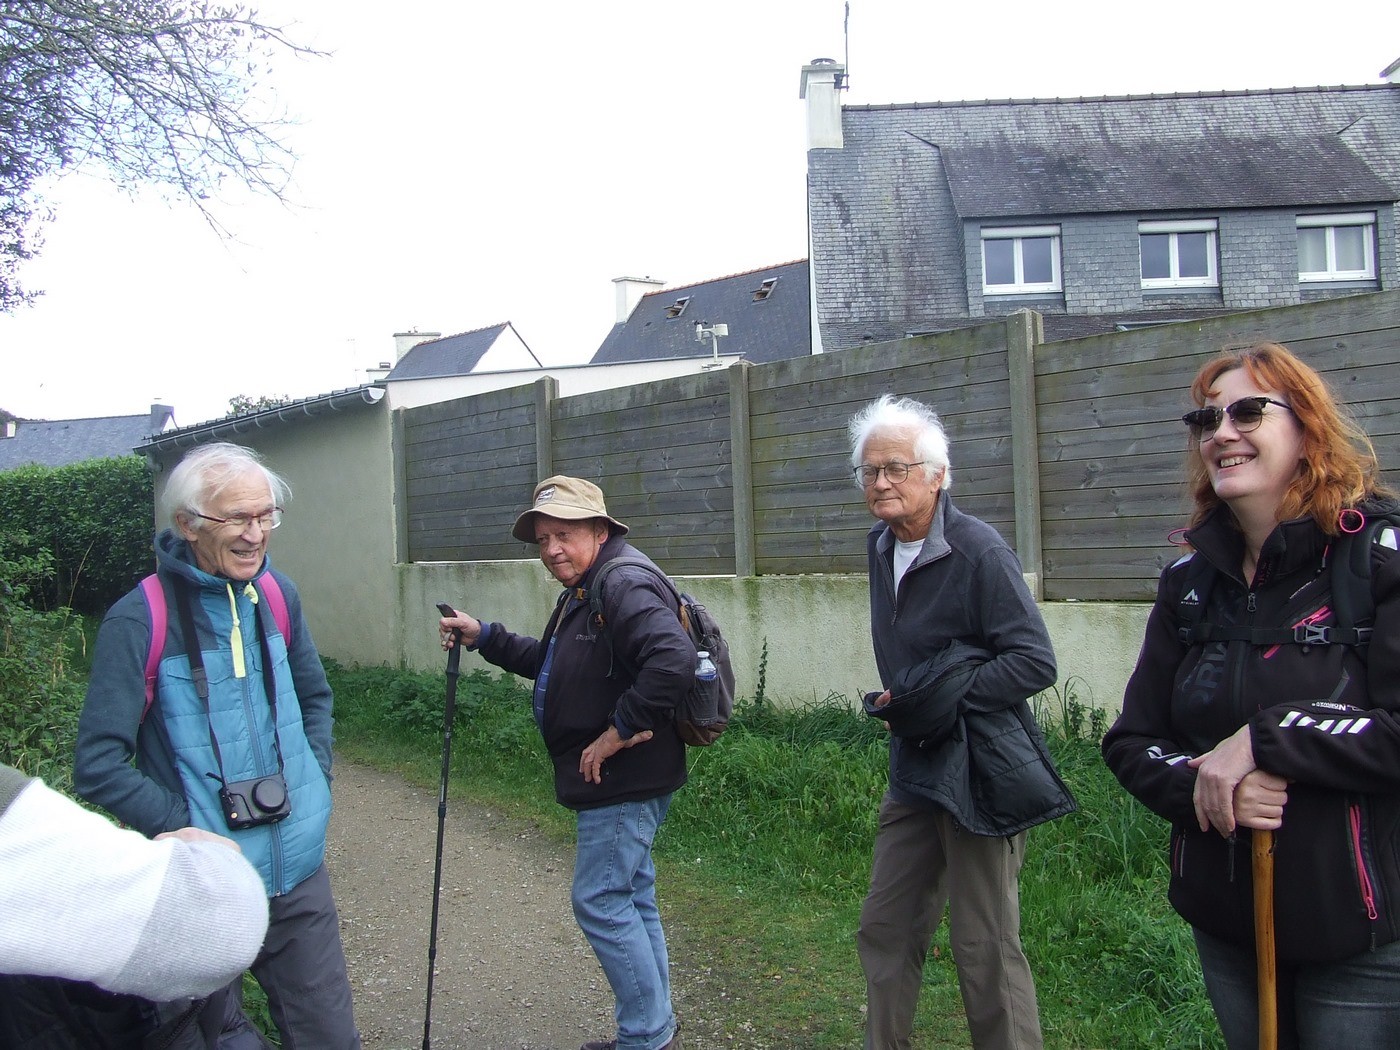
(1349, 569)
(706, 708)
(50, 1013)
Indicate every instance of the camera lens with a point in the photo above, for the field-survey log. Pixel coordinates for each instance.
(269, 794)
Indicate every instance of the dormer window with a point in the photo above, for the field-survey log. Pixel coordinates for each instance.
(1178, 254)
(678, 307)
(764, 290)
(1337, 247)
(1017, 260)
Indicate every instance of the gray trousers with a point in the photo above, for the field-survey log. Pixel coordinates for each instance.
(302, 969)
(924, 861)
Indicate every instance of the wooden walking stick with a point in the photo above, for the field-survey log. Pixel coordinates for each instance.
(1266, 958)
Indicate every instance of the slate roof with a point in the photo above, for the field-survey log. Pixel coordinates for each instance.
(1005, 177)
(1158, 143)
(59, 442)
(892, 212)
(452, 355)
(762, 327)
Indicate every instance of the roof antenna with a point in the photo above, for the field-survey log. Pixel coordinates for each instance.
(843, 79)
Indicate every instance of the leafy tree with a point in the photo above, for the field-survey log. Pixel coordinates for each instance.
(242, 404)
(161, 92)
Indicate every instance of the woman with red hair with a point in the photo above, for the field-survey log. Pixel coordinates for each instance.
(1232, 725)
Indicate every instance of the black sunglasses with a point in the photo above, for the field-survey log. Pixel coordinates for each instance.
(1246, 414)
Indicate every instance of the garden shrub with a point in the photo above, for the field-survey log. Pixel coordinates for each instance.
(96, 520)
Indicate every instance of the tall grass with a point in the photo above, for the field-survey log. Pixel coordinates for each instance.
(766, 856)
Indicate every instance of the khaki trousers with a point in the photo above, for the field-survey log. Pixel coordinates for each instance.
(924, 860)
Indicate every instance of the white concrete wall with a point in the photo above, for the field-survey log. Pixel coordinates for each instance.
(337, 538)
(816, 628)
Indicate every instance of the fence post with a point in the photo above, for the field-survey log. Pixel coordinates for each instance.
(1024, 332)
(741, 469)
(546, 392)
(398, 449)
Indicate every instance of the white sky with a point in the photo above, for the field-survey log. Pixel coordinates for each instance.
(467, 164)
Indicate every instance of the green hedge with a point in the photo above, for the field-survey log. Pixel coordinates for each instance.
(95, 518)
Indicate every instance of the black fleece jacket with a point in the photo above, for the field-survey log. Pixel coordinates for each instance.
(1324, 717)
(993, 773)
(581, 698)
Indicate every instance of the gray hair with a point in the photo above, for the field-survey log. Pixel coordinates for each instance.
(905, 416)
(206, 471)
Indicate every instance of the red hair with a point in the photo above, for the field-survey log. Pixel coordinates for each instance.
(1339, 467)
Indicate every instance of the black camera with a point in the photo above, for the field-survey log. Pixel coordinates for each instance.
(248, 803)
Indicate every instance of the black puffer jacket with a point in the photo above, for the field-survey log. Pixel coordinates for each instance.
(581, 699)
(1323, 717)
(992, 772)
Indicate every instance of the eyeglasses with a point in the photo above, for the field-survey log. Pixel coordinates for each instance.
(1246, 414)
(894, 472)
(241, 522)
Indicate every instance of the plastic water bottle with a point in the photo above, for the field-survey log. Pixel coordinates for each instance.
(705, 669)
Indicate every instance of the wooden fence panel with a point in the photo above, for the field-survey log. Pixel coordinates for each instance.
(662, 451)
(465, 463)
(1111, 449)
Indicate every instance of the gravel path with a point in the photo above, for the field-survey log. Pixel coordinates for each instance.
(513, 970)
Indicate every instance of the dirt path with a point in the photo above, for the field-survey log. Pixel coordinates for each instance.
(513, 970)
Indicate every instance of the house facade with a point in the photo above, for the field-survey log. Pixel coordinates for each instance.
(1099, 213)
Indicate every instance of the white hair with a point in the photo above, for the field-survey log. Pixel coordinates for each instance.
(903, 415)
(206, 471)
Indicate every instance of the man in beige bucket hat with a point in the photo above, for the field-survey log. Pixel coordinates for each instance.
(569, 499)
(605, 705)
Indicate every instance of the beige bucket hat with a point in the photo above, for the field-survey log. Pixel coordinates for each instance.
(571, 499)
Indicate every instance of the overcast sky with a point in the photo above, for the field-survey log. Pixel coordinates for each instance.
(462, 165)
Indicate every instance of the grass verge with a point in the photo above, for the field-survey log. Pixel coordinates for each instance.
(765, 858)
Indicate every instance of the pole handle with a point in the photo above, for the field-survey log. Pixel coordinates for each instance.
(454, 655)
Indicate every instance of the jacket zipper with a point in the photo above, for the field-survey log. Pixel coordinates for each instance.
(1363, 876)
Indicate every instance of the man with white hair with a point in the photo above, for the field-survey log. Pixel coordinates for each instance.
(238, 737)
(960, 646)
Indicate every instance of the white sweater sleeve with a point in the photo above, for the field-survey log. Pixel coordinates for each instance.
(86, 900)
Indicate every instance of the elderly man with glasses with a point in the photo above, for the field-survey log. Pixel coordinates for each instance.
(960, 647)
(235, 735)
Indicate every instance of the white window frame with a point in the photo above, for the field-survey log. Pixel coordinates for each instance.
(1019, 234)
(1330, 223)
(1210, 227)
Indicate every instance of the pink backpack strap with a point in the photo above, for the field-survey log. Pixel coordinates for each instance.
(277, 605)
(155, 604)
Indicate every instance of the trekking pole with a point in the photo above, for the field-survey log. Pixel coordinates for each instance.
(1266, 958)
(454, 657)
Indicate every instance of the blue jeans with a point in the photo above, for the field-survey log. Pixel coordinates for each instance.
(614, 898)
(1352, 1003)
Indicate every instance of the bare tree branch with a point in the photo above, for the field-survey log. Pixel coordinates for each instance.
(157, 92)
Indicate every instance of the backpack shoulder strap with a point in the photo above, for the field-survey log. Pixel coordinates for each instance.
(154, 593)
(1350, 571)
(595, 593)
(271, 592)
(595, 598)
(1196, 583)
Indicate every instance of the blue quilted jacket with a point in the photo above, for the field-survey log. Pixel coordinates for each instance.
(169, 786)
